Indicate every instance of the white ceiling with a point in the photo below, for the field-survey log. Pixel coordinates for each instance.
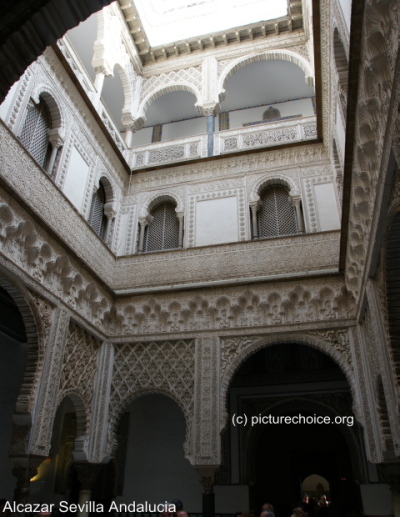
(166, 21)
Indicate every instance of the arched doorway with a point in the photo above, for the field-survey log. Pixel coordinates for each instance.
(151, 465)
(273, 387)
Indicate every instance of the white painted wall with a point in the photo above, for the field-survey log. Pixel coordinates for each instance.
(156, 469)
(142, 137)
(76, 178)
(327, 210)
(216, 221)
(12, 368)
(302, 107)
(184, 128)
(8, 101)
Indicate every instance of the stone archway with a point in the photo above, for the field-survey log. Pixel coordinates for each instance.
(150, 453)
(272, 458)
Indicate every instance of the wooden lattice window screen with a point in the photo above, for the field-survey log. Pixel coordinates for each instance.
(162, 233)
(277, 215)
(34, 132)
(97, 219)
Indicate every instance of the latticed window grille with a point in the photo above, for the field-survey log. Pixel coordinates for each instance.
(277, 215)
(162, 233)
(97, 218)
(34, 132)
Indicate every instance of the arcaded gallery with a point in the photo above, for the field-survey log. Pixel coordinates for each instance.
(200, 257)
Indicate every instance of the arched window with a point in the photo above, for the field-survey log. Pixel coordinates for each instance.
(162, 233)
(277, 215)
(97, 218)
(34, 134)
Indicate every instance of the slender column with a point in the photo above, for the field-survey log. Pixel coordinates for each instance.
(207, 480)
(99, 79)
(24, 469)
(110, 212)
(210, 134)
(56, 140)
(24, 476)
(254, 226)
(87, 475)
(296, 200)
(180, 219)
(129, 130)
(143, 222)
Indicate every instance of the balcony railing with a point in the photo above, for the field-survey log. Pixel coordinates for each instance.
(228, 141)
(171, 151)
(265, 135)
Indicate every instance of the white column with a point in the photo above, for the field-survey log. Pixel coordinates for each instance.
(254, 226)
(56, 140)
(296, 200)
(143, 222)
(180, 219)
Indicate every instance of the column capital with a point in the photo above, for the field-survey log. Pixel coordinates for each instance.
(209, 108)
(207, 477)
(144, 221)
(110, 210)
(87, 474)
(102, 69)
(55, 137)
(295, 199)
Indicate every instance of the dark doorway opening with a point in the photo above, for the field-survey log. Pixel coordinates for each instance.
(273, 459)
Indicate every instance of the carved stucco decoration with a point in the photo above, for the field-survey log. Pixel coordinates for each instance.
(291, 305)
(206, 404)
(335, 343)
(24, 242)
(79, 366)
(373, 448)
(375, 121)
(157, 367)
(48, 393)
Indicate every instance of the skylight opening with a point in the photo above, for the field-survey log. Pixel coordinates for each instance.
(167, 21)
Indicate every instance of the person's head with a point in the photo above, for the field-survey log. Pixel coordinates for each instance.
(268, 507)
(178, 504)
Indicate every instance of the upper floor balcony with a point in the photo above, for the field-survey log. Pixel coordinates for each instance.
(227, 141)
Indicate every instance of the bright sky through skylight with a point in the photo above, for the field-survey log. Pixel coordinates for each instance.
(167, 21)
